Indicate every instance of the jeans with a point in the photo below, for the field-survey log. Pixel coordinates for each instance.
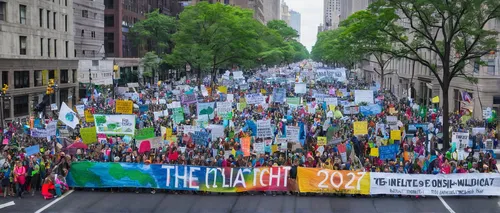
(19, 189)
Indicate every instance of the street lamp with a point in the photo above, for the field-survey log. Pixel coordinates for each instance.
(115, 70)
(2, 97)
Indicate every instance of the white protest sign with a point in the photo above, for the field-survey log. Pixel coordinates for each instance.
(292, 133)
(330, 101)
(460, 139)
(363, 96)
(478, 130)
(190, 129)
(224, 108)
(217, 131)
(254, 98)
(300, 88)
(488, 144)
(264, 129)
(259, 147)
(230, 98)
(173, 105)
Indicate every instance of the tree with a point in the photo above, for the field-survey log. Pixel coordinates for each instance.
(155, 32)
(283, 29)
(211, 36)
(332, 48)
(454, 31)
(151, 63)
(362, 33)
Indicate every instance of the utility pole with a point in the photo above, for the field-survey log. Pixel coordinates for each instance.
(2, 97)
(115, 70)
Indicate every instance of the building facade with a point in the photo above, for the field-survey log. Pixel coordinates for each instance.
(331, 14)
(37, 45)
(295, 21)
(88, 28)
(285, 13)
(272, 10)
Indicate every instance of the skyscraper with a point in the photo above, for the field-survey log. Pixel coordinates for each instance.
(331, 14)
(295, 21)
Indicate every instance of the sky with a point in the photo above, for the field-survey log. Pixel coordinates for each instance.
(311, 12)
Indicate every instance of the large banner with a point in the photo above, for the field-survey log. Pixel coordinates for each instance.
(115, 124)
(333, 181)
(177, 177)
(435, 185)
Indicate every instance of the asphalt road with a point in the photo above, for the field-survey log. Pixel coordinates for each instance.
(80, 201)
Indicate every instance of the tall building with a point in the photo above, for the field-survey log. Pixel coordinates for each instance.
(295, 21)
(37, 44)
(272, 10)
(285, 13)
(256, 5)
(331, 14)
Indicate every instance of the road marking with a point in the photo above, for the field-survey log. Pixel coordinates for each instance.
(54, 202)
(11, 203)
(446, 205)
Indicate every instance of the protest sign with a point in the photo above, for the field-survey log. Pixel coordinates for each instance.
(338, 74)
(240, 106)
(115, 124)
(173, 105)
(178, 116)
(143, 108)
(89, 117)
(206, 111)
(279, 95)
(316, 180)
(478, 130)
(32, 150)
(392, 120)
(488, 144)
(388, 152)
(292, 133)
(361, 96)
(294, 101)
(254, 98)
(460, 139)
(200, 137)
(264, 129)
(190, 129)
(80, 109)
(351, 110)
(188, 99)
(225, 110)
(322, 141)
(360, 128)
(230, 98)
(217, 131)
(145, 133)
(222, 89)
(124, 107)
(396, 135)
(330, 101)
(67, 116)
(153, 143)
(178, 177)
(50, 130)
(300, 88)
(245, 146)
(374, 152)
(464, 184)
(89, 135)
(259, 148)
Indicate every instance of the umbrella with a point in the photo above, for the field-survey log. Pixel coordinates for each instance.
(78, 145)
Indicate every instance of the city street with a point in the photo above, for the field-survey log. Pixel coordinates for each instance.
(80, 201)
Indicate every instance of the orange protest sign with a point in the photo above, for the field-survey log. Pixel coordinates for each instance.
(325, 181)
(245, 146)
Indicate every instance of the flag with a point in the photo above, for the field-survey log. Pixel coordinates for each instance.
(423, 111)
(466, 97)
(68, 116)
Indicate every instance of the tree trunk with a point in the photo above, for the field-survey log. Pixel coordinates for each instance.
(410, 87)
(199, 77)
(446, 117)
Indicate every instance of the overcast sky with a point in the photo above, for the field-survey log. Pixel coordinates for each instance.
(312, 15)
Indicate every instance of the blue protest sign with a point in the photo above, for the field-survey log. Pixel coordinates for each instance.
(32, 150)
(200, 137)
(388, 152)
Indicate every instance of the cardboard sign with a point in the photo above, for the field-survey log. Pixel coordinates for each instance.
(124, 107)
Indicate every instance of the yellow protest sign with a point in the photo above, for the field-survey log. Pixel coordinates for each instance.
(124, 107)
(168, 133)
(263, 91)
(274, 148)
(322, 141)
(89, 117)
(396, 135)
(222, 89)
(89, 135)
(374, 152)
(331, 107)
(360, 128)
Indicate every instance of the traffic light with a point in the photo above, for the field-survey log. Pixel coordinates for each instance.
(50, 90)
(51, 82)
(5, 88)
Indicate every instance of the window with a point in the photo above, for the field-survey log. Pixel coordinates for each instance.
(83, 33)
(83, 52)
(21, 106)
(66, 3)
(52, 74)
(22, 14)
(3, 7)
(93, 34)
(109, 4)
(109, 20)
(48, 46)
(37, 75)
(95, 63)
(41, 17)
(491, 66)
(66, 48)
(55, 48)
(54, 20)
(5, 77)
(109, 44)
(66, 23)
(41, 46)
(48, 19)
(64, 77)
(21, 79)
(85, 13)
(22, 45)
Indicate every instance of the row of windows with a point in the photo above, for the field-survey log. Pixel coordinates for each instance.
(23, 47)
(43, 14)
(22, 78)
(22, 103)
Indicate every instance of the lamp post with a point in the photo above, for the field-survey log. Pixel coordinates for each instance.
(2, 96)
(115, 70)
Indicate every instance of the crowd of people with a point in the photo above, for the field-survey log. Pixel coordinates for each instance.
(420, 150)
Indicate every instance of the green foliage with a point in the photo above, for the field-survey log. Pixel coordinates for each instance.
(283, 29)
(333, 47)
(156, 30)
